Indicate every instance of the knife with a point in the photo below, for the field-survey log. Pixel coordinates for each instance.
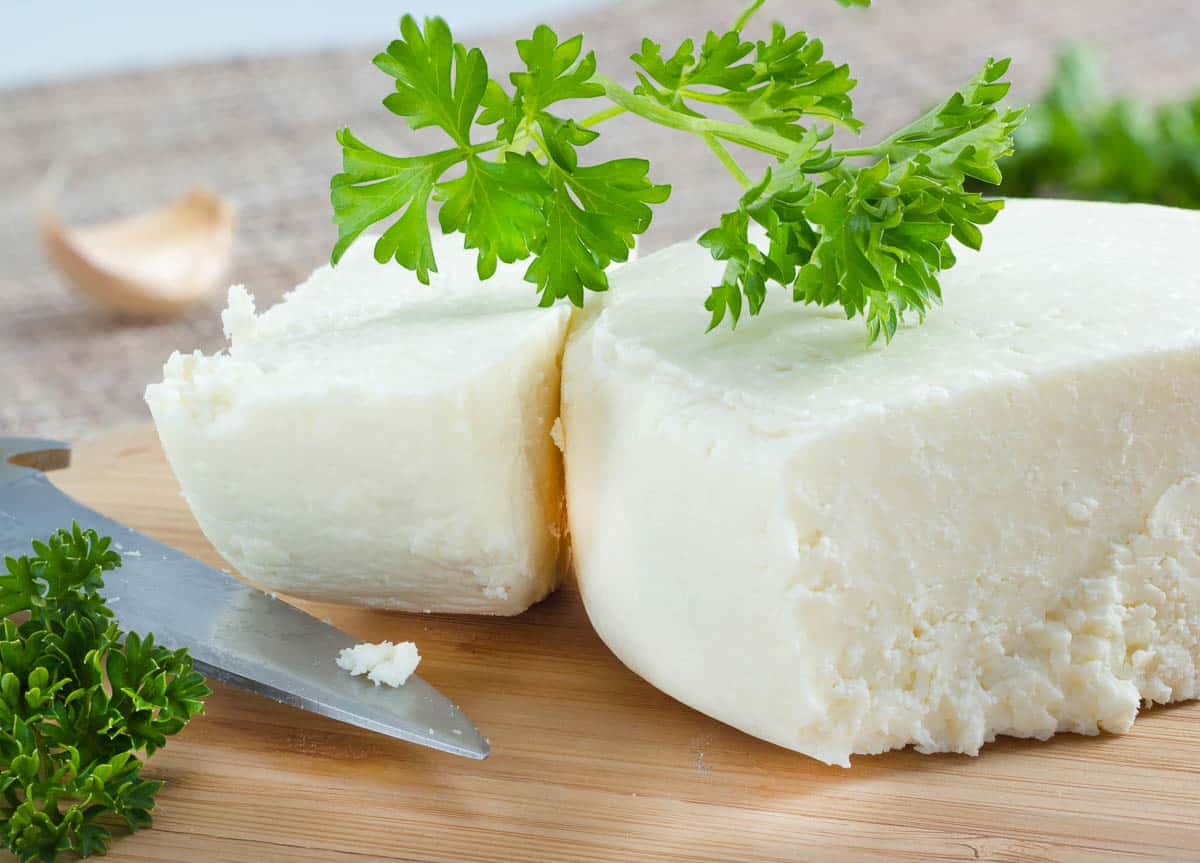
(234, 633)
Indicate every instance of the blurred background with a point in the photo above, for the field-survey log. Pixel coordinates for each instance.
(88, 39)
(108, 110)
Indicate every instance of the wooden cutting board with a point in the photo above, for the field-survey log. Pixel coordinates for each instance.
(590, 763)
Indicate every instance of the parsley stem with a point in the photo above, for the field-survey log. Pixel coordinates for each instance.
(601, 116)
(541, 146)
(723, 99)
(701, 96)
(747, 136)
(489, 146)
(728, 161)
(858, 151)
(747, 13)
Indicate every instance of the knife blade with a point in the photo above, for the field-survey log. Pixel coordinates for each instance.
(234, 633)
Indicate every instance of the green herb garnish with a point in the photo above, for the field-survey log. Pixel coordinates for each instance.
(79, 700)
(870, 235)
(1081, 143)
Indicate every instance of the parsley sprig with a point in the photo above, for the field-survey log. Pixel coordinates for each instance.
(522, 193)
(79, 700)
(864, 228)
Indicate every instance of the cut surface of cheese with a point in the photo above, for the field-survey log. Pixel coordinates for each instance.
(990, 527)
(375, 441)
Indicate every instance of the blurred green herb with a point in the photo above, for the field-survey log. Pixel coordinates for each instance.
(79, 701)
(864, 228)
(1078, 142)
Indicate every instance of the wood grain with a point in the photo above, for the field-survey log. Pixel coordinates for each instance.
(590, 763)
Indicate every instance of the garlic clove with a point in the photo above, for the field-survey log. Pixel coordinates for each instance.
(153, 265)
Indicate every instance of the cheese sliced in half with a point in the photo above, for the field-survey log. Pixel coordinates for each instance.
(990, 527)
(376, 441)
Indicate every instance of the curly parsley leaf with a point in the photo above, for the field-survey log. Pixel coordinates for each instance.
(439, 82)
(519, 193)
(553, 71)
(771, 83)
(870, 237)
(374, 186)
(496, 206)
(592, 213)
(78, 700)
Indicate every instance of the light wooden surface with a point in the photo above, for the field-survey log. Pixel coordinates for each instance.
(590, 763)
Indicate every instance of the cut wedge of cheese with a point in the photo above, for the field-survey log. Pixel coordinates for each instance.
(990, 527)
(376, 441)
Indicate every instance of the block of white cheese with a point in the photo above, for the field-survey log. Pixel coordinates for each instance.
(375, 441)
(990, 527)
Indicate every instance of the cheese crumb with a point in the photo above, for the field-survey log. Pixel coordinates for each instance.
(384, 662)
(239, 320)
(557, 435)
